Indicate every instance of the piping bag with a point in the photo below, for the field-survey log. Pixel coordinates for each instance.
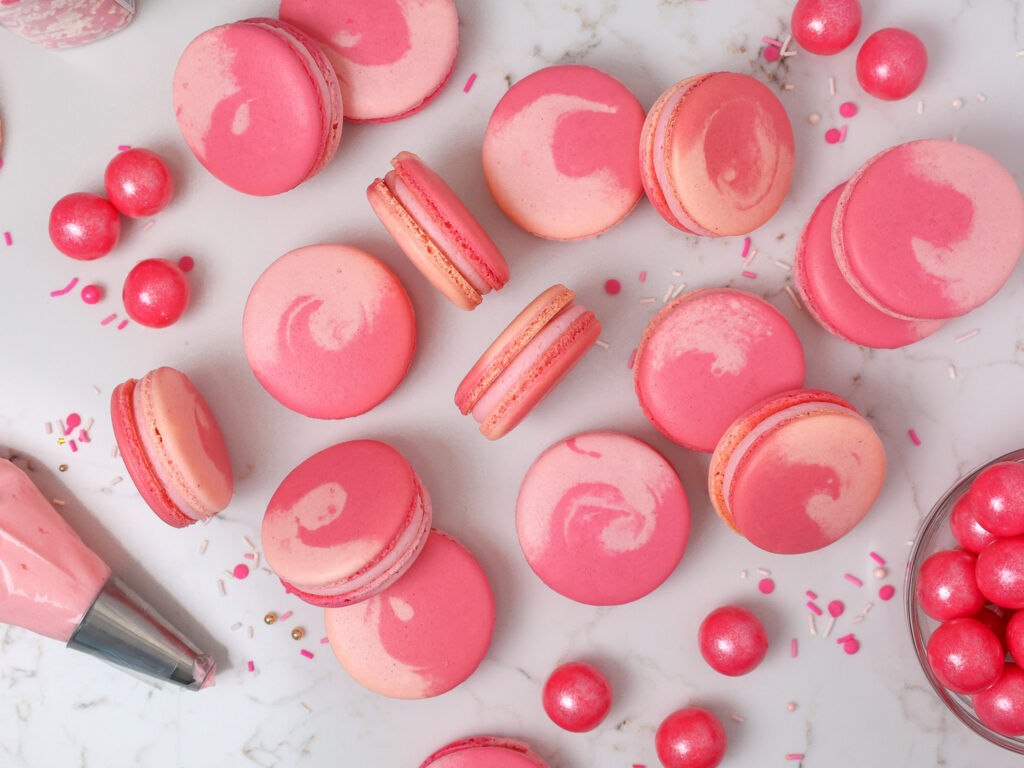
(53, 584)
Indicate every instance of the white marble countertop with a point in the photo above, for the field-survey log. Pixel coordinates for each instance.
(64, 114)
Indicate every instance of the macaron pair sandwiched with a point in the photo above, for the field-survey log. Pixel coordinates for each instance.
(922, 233)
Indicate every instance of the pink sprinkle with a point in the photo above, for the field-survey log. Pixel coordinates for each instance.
(469, 83)
(324, 640)
(107, 319)
(249, 556)
(72, 446)
(811, 595)
(832, 136)
(746, 247)
(836, 608)
(844, 638)
(252, 667)
(751, 275)
(307, 654)
(74, 420)
(842, 133)
(123, 147)
(815, 609)
(795, 756)
(83, 436)
(612, 286)
(7, 239)
(848, 109)
(913, 437)
(792, 647)
(241, 571)
(851, 646)
(886, 592)
(643, 275)
(767, 586)
(771, 53)
(72, 284)
(877, 558)
(285, 616)
(186, 263)
(91, 294)
(853, 579)
(121, 325)
(772, 41)
(632, 359)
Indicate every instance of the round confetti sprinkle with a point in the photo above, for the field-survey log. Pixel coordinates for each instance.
(851, 646)
(297, 633)
(771, 53)
(886, 592)
(612, 287)
(836, 608)
(849, 109)
(814, 118)
(91, 294)
(186, 263)
(270, 618)
(832, 135)
(879, 573)
(73, 420)
(791, 707)
(767, 586)
(241, 571)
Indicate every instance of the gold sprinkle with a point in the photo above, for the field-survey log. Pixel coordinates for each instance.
(58, 502)
(63, 467)
(298, 633)
(270, 618)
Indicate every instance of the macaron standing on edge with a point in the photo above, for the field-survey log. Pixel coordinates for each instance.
(485, 752)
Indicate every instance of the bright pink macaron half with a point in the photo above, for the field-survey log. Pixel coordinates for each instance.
(485, 752)
(346, 523)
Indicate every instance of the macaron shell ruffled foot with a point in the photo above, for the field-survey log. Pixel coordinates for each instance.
(485, 752)
(172, 447)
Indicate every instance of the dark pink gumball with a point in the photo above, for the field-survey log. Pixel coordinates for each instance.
(84, 226)
(1001, 707)
(138, 183)
(156, 293)
(1015, 636)
(732, 640)
(946, 585)
(965, 527)
(965, 655)
(825, 27)
(891, 64)
(994, 621)
(997, 498)
(577, 697)
(690, 738)
(1000, 572)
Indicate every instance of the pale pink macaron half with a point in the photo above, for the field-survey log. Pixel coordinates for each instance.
(346, 523)
(707, 357)
(797, 472)
(259, 105)
(437, 232)
(172, 446)
(527, 360)
(929, 230)
(424, 634)
(716, 154)
(832, 302)
(559, 152)
(485, 752)
(602, 518)
(392, 56)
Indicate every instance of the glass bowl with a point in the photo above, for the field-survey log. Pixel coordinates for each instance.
(934, 536)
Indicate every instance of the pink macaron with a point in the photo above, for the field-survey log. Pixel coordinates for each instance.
(602, 518)
(797, 472)
(538, 348)
(172, 446)
(485, 752)
(928, 230)
(709, 356)
(259, 105)
(346, 523)
(425, 633)
(437, 232)
(392, 57)
(560, 152)
(830, 299)
(717, 154)
(329, 331)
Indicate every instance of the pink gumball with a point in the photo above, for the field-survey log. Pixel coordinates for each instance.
(732, 640)
(84, 226)
(825, 27)
(966, 529)
(138, 183)
(1000, 572)
(891, 64)
(1015, 636)
(965, 655)
(690, 738)
(577, 697)
(997, 498)
(156, 293)
(1001, 707)
(946, 585)
(991, 617)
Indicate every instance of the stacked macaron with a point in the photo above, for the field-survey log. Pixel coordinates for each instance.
(922, 233)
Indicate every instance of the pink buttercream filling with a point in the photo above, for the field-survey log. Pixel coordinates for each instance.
(660, 163)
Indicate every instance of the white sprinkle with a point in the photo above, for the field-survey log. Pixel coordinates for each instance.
(58, 502)
(249, 631)
(810, 625)
(602, 344)
(743, 574)
(953, 138)
(229, 574)
(737, 718)
(113, 451)
(203, 546)
(968, 335)
(1019, 54)
(248, 542)
(814, 118)
(982, 98)
(920, 106)
(305, 706)
(867, 608)
(787, 54)
(764, 572)
(106, 490)
(857, 619)
(647, 300)
(829, 626)
(957, 104)
(148, 225)
(220, 587)
(88, 426)
(792, 295)
(668, 293)
(952, 372)
(679, 290)
(788, 87)
(750, 257)
(117, 480)
(48, 428)
(677, 273)
(267, 570)
(256, 560)
(236, 626)
(60, 427)
(832, 86)
(785, 45)
(95, 389)
(783, 265)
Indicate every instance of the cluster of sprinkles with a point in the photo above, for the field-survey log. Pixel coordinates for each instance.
(775, 50)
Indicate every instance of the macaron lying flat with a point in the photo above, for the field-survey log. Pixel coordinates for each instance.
(392, 56)
(717, 154)
(830, 299)
(525, 362)
(240, 88)
(709, 356)
(172, 446)
(329, 331)
(602, 518)
(346, 523)
(437, 232)
(425, 633)
(559, 152)
(797, 472)
(485, 752)
(929, 230)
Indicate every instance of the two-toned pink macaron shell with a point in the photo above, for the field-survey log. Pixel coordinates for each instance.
(172, 446)
(329, 331)
(709, 356)
(602, 518)
(717, 154)
(239, 88)
(485, 752)
(559, 152)
(346, 523)
(392, 57)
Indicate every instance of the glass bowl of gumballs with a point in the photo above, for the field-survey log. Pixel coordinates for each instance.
(965, 600)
